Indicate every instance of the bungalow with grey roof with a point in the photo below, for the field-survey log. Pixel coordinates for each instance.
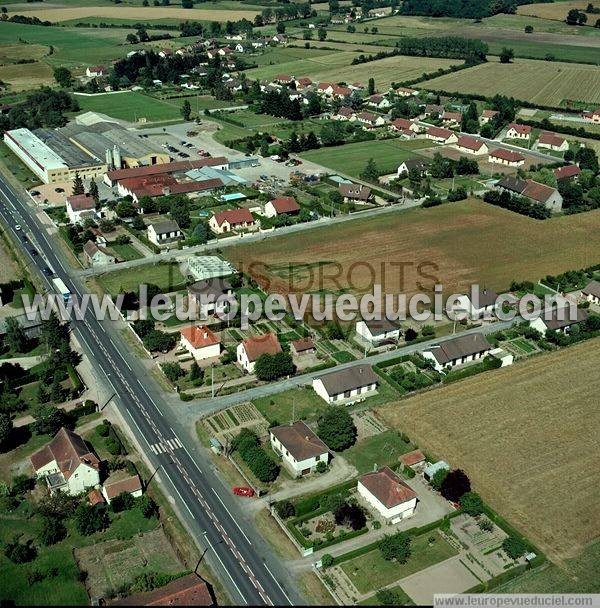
(459, 350)
(348, 385)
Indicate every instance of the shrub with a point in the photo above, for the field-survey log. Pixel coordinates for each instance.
(20, 553)
(113, 446)
(123, 502)
(332, 502)
(376, 525)
(514, 547)
(148, 507)
(337, 429)
(395, 547)
(455, 485)
(471, 503)
(327, 560)
(349, 515)
(438, 478)
(321, 466)
(52, 532)
(285, 509)
(103, 429)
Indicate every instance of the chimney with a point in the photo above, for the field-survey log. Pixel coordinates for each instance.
(166, 190)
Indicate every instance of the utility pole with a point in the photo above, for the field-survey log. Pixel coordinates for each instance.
(212, 381)
(107, 402)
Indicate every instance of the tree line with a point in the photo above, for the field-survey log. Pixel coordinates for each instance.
(42, 108)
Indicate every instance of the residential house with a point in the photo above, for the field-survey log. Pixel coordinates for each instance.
(413, 460)
(283, 79)
(457, 351)
(403, 124)
(250, 349)
(501, 156)
(242, 47)
(132, 484)
(201, 342)
(567, 172)
(303, 346)
(377, 331)
(279, 39)
(347, 385)
(550, 197)
(560, 319)
(516, 131)
(593, 116)
(67, 464)
(432, 109)
(369, 119)
(189, 590)
(282, 205)
(164, 232)
(551, 141)
(232, 219)
(300, 449)
(451, 119)
(378, 101)
(344, 113)
(480, 303)
(486, 116)
(211, 296)
(325, 88)
(441, 135)
(97, 255)
(391, 497)
(591, 292)
(95, 71)
(165, 53)
(413, 164)
(355, 192)
(339, 92)
(405, 92)
(303, 83)
(471, 145)
(79, 207)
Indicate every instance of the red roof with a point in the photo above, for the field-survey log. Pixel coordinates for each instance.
(183, 165)
(341, 91)
(387, 487)
(95, 497)
(439, 132)
(471, 143)
(302, 344)
(285, 204)
(489, 113)
(345, 111)
(155, 185)
(128, 485)
(234, 217)
(323, 85)
(283, 78)
(368, 116)
(508, 155)
(200, 336)
(267, 344)
(456, 116)
(188, 590)
(538, 192)
(402, 124)
(81, 202)
(412, 458)
(567, 172)
(522, 129)
(551, 139)
(304, 81)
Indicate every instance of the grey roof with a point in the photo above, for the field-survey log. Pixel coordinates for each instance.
(415, 163)
(379, 326)
(349, 379)
(592, 288)
(299, 440)
(514, 184)
(214, 287)
(165, 226)
(563, 318)
(70, 153)
(461, 346)
(485, 297)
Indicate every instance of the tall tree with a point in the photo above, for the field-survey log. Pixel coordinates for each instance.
(78, 187)
(186, 110)
(336, 428)
(94, 190)
(15, 336)
(63, 77)
(506, 55)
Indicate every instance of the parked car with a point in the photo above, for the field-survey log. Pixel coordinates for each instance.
(17, 227)
(243, 491)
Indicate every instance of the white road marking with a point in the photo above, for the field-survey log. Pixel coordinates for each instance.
(230, 515)
(280, 587)
(178, 494)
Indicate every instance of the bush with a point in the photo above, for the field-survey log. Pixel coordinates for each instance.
(438, 479)
(352, 516)
(173, 371)
(332, 502)
(285, 509)
(52, 532)
(514, 547)
(148, 507)
(395, 547)
(455, 485)
(308, 505)
(471, 503)
(103, 429)
(327, 560)
(376, 525)
(112, 445)
(337, 429)
(260, 463)
(123, 502)
(321, 466)
(20, 553)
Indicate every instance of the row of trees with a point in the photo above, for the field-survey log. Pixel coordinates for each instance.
(469, 9)
(42, 108)
(518, 204)
(260, 463)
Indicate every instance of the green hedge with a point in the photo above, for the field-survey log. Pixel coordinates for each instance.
(496, 581)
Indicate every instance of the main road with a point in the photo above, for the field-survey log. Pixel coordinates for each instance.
(238, 555)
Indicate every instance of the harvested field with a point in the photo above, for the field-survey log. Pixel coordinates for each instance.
(336, 67)
(501, 428)
(552, 10)
(12, 53)
(457, 238)
(543, 82)
(28, 76)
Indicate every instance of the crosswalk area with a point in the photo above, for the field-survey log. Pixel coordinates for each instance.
(165, 446)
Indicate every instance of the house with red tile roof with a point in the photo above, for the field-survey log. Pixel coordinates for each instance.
(300, 449)
(67, 463)
(118, 484)
(486, 116)
(282, 205)
(403, 124)
(188, 590)
(344, 113)
(551, 141)
(471, 145)
(550, 197)
(412, 459)
(567, 172)
(516, 131)
(95, 71)
(201, 342)
(370, 120)
(501, 156)
(451, 119)
(593, 116)
(441, 135)
(249, 350)
(79, 207)
(388, 495)
(232, 220)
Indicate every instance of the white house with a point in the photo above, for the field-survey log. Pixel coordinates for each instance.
(412, 163)
(79, 207)
(212, 296)
(95, 71)
(486, 116)
(97, 255)
(377, 331)
(348, 385)
(457, 351)
(593, 116)
(378, 101)
(441, 135)
(128, 485)
(391, 497)
(165, 232)
(252, 348)
(501, 156)
(300, 449)
(551, 141)
(67, 464)
(477, 304)
(200, 342)
(591, 292)
(369, 119)
(560, 319)
(232, 219)
(516, 131)
(471, 145)
(282, 205)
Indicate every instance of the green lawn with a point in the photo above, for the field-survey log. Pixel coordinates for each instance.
(524, 345)
(381, 450)
(166, 276)
(130, 106)
(17, 168)
(403, 599)
(352, 158)
(370, 572)
(303, 402)
(125, 252)
(343, 356)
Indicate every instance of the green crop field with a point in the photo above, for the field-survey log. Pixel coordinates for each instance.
(542, 82)
(130, 106)
(166, 276)
(352, 158)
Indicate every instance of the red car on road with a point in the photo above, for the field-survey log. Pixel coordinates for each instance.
(242, 491)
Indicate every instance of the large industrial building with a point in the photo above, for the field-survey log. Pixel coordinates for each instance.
(90, 150)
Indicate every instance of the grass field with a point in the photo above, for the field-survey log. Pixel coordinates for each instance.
(336, 67)
(370, 572)
(542, 82)
(462, 243)
(28, 76)
(166, 276)
(130, 106)
(381, 450)
(352, 158)
(299, 404)
(499, 426)
(553, 10)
